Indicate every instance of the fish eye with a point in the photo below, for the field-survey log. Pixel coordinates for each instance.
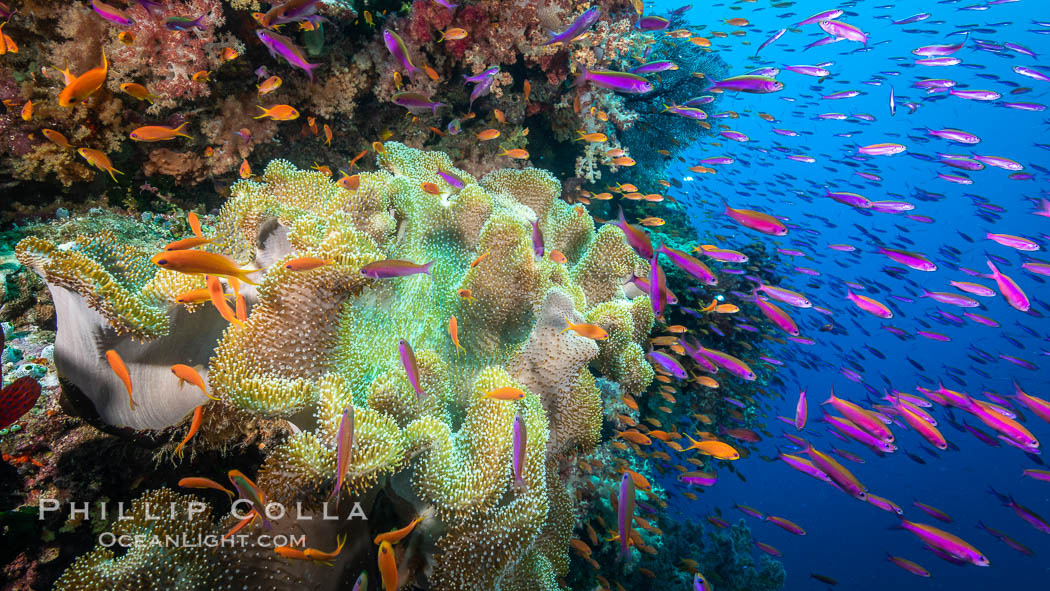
(162, 262)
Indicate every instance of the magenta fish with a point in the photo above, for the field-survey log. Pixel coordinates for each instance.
(408, 360)
(279, 45)
(579, 26)
(689, 264)
(111, 13)
(520, 443)
(397, 48)
(616, 81)
(344, 438)
(388, 268)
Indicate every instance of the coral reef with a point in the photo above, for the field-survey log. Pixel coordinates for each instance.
(317, 341)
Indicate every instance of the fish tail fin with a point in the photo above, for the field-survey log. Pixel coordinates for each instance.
(831, 397)
(582, 77)
(309, 69)
(178, 130)
(265, 112)
(242, 274)
(426, 267)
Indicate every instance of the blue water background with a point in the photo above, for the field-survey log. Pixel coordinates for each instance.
(848, 539)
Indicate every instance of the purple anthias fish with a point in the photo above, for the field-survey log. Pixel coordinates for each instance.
(279, 45)
(616, 81)
(637, 238)
(668, 364)
(487, 74)
(938, 50)
(111, 13)
(656, 286)
(689, 264)
(843, 30)
(772, 39)
(154, 8)
(815, 71)
(954, 135)
(344, 438)
(654, 67)
(184, 23)
(820, 16)
(396, 46)
(652, 23)
(699, 101)
(520, 444)
(450, 179)
(912, 260)
(976, 95)
(408, 361)
(388, 268)
(845, 94)
(913, 19)
(687, 112)
(748, 83)
(625, 512)
(1032, 73)
(482, 83)
(415, 102)
(578, 26)
(537, 240)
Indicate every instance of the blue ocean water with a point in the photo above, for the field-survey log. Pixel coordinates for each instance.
(849, 539)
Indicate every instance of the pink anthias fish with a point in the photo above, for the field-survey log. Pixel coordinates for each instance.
(279, 45)
(851, 430)
(839, 475)
(945, 545)
(865, 419)
(408, 361)
(388, 268)
(1038, 406)
(801, 411)
(1015, 242)
(637, 238)
(786, 525)
(756, 220)
(520, 443)
(396, 46)
(344, 438)
(729, 363)
(775, 314)
(841, 30)
(869, 305)
(625, 512)
(912, 260)
(111, 13)
(1011, 292)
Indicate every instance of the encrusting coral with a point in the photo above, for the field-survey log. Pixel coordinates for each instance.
(316, 342)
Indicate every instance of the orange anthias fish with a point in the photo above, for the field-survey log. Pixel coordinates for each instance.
(326, 557)
(159, 133)
(195, 425)
(591, 331)
(387, 567)
(516, 153)
(488, 134)
(453, 331)
(245, 170)
(269, 85)
(506, 393)
(279, 113)
(117, 364)
(138, 91)
(196, 262)
(186, 373)
(84, 85)
(99, 160)
(395, 536)
(56, 138)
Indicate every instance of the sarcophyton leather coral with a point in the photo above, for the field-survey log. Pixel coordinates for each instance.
(318, 341)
